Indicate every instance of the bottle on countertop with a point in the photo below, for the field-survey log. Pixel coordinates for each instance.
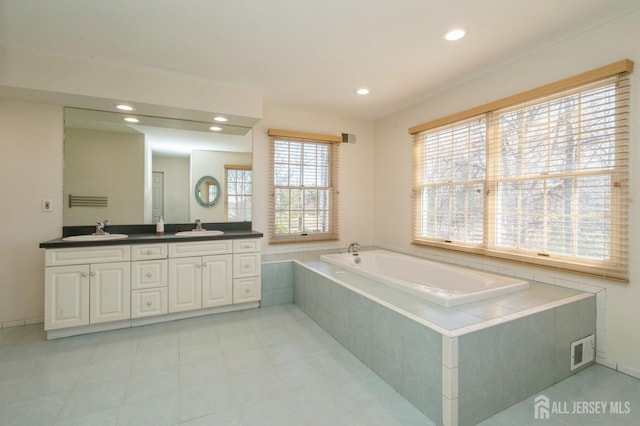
(160, 227)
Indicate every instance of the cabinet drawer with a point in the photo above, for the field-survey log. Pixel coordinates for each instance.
(200, 248)
(246, 246)
(148, 274)
(75, 256)
(149, 251)
(247, 290)
(148, 302)
(246, 265)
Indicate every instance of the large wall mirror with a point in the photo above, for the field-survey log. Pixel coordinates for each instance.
(132, 173)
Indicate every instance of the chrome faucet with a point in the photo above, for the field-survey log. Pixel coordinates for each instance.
(100, 227)
(353, 248)
(198, 225)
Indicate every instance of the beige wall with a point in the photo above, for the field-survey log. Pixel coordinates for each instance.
(30, 170)
(609, 43)
(104, 164)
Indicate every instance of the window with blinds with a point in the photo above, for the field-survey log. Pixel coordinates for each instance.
(451, 172)
(303, 181)
(540, 177)
(239, 198)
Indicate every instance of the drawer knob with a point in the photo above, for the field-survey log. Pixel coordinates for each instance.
(84, 274)
(148, 251)
(93, 274)
(247, 290)
(149, 303)
(149, 274)
(246, 266)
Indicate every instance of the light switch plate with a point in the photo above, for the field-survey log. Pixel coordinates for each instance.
(47, 205)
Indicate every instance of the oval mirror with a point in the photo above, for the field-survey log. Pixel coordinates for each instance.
(207, 191)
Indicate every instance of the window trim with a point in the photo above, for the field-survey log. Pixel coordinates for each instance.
(597, 268)
(302, 137)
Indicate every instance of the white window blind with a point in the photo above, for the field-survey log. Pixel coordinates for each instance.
(537, 179)
(451, 173)
(304, 194)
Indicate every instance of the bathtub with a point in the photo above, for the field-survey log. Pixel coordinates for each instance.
(446, 285)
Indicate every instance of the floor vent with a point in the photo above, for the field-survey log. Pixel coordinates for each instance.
(582, 351)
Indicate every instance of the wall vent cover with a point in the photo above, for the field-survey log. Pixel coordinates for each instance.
(582, 351)
(87, 201)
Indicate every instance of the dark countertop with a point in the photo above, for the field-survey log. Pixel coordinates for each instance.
(145, 234)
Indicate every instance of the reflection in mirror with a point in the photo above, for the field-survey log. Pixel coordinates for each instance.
(207, 191)
(148, 169)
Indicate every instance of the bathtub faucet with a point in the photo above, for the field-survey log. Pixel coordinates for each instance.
(353, 248)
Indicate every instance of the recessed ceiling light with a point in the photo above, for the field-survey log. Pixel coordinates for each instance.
(362, 91)
(220, 119)
(131, 120)
(215, 128)
(455, 34)
(124, 107)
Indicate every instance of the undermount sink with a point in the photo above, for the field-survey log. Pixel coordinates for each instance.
(194, 233)
(95, 237)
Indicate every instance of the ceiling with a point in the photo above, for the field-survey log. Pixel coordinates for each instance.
(311, 54)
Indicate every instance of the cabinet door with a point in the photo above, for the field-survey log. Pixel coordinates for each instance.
(217, 281)
(109, 292)
(66, 297)
(185, 284)
(246, 265)
(247, 290)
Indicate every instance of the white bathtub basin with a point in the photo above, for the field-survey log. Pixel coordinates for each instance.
(446, 285)
(95, 237)
(194, 233)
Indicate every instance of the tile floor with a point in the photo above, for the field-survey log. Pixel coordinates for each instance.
(271, 366)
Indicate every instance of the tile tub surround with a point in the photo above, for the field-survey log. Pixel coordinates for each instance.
(402, 352)
(502, 365)
(277, 283)
(538, 318)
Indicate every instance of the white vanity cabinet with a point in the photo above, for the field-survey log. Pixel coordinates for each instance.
(200, 275)
(107, 287)
(86, 286)
(149, 292)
